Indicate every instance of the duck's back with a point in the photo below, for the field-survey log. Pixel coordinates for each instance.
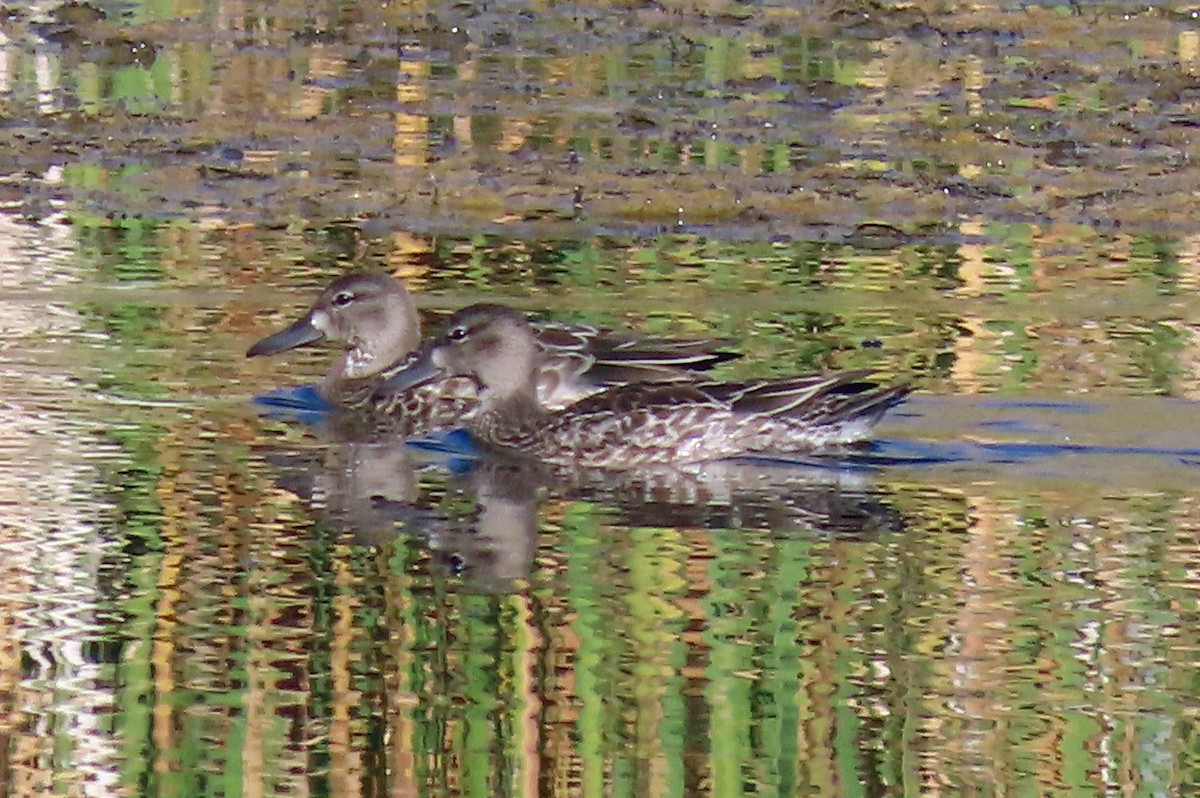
(644, 424)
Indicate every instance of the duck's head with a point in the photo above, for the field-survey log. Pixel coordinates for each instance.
(491, 343)
(372, 315)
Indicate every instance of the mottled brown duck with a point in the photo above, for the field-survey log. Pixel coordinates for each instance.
(372, 316)
(640, 423)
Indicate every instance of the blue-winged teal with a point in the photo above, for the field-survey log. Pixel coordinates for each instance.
(373, 317)
(643, 423)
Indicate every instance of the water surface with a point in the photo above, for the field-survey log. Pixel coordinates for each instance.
(992, 202)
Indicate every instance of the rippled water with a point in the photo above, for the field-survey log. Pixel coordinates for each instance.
(992, 202)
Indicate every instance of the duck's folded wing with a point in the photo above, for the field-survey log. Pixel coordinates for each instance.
(613, 349)
(819, 398)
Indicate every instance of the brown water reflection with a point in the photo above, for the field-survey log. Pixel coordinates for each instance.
(994, 201)
(248, 601)
(965, 622)
(797, 120)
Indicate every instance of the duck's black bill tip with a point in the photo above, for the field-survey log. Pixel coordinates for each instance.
(419, 370)
(299, 334)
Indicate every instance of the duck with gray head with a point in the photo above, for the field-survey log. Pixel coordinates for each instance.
(373, 317)
(642, 423)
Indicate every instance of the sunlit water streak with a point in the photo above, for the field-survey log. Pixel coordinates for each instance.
(55, 606)
(52, 597)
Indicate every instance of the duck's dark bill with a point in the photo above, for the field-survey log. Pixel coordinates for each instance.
(299, 334)
(420, 370)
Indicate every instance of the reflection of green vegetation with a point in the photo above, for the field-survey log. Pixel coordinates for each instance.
(661, 660)
(652, 660)
(137, 529)
(1159, 258)
(914, 309)
(809, 58)
(136, 330)
(595, 655)
(1156, 356)
(126, 249)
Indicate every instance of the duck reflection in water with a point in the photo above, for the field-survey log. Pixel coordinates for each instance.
(345, 479)
(380, 492)
(374, 318)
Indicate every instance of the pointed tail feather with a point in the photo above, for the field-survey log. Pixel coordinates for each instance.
(802, 393)
(849, 399)
(870, 407)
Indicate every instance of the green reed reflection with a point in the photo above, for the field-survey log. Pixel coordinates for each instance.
(994, 200)
(965, 638)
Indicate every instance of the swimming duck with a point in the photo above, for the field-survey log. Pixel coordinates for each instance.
(374, 317)
(641, 423)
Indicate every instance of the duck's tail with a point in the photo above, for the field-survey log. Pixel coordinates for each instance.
(841, 407)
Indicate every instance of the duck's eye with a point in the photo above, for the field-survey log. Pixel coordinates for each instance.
(457, 333)
(343, 299)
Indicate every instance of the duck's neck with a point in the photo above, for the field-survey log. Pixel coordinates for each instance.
(515, 412)
(339, 390)
(366, 359)
(350, 376)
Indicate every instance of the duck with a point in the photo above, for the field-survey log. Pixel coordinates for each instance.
(373, 317)
(642, 423)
